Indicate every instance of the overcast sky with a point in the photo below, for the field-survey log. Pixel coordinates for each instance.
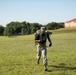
(41, 11)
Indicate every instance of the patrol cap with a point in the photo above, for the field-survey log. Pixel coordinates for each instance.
(42, 28)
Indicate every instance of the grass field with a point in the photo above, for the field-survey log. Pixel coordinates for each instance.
(18, 55)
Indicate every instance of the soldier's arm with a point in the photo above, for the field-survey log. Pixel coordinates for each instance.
(49, 40)
(37, 39)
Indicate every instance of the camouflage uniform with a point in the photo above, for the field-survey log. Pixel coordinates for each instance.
(41, 49)
(40, 39)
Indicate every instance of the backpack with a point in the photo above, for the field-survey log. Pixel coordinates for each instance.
(38, 33)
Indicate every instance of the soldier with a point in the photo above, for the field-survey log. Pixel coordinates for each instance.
(40, 38)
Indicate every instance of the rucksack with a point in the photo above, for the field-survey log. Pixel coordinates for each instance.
(38, 33)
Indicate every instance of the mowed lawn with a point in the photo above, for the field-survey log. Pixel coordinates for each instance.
(18, 55)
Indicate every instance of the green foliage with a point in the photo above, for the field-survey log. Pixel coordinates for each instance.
(1, 30)
(35, 27)
(12, 28)
(54, 25)
(25, 28)
(8, 31)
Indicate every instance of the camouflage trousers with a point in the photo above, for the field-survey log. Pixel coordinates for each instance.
(41, 50)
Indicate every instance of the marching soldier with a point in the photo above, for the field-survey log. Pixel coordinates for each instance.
(41, 37)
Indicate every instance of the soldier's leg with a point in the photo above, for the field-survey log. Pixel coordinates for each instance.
(44, 54)
(38, 53)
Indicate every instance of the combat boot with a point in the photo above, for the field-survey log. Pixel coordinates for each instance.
(45, 68)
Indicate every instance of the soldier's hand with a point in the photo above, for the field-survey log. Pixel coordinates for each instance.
(50, 44)
(42, 41)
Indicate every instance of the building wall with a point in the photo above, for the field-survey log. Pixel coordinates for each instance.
(70, 25)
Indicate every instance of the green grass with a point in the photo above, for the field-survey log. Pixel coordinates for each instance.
(18, 55)
(64, 30)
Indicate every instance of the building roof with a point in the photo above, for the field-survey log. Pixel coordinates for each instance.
(73, 20)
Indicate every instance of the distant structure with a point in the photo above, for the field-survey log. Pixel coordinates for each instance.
(71, 23)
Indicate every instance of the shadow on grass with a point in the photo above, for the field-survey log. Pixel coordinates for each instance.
(49, 71)
(12, 36)
(62, 66)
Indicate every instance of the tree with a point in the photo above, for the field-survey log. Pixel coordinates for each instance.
(25, 28)
(8, 31)
(13, 28)
(61, 25)
(54, 25)
(35, 27)
(1, 30)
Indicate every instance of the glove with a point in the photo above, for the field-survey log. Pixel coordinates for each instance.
(50, 44)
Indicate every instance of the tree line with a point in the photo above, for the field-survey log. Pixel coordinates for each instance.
(25, 28)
